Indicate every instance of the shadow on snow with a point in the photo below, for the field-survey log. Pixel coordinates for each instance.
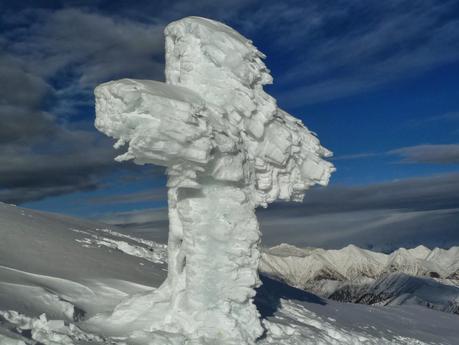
(268, 296)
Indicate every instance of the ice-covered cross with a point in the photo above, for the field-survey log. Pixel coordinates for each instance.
(228, 148)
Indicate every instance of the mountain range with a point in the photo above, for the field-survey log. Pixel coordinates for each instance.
(421, 276)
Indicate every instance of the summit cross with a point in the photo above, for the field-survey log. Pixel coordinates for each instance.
(228, 148)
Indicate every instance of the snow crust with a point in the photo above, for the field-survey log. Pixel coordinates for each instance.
(227, 148)
(44, 331)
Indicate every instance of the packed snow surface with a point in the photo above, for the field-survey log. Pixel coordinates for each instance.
(228, 148)
(55, 284)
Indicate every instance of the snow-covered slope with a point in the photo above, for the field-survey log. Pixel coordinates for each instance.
(419, 275)
(67, 267)
(72, 269)
(401, 288)
(448, 259)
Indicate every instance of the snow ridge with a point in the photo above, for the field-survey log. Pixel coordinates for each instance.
(141, 248)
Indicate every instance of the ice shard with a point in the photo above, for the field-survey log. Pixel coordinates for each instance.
(228, 149)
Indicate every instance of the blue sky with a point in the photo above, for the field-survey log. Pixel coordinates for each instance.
(376, 80)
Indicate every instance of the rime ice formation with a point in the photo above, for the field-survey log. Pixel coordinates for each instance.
(228, 148)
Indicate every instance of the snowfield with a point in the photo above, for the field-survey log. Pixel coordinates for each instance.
(58, 273)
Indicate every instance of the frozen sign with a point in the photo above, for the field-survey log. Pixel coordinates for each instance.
(228, 149)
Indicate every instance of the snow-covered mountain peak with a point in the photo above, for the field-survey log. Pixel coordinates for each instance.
(285, 249)
(420, 252)
(415, 262)
(447, 258)
(353, 274)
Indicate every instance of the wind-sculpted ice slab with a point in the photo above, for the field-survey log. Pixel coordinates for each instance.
(228, 148)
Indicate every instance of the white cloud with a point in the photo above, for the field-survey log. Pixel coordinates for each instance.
(429, 154)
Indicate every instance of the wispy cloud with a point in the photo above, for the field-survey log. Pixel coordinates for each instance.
(142, 216)
(73, 162)
(152, 222)
(388, 215)
(344, 56)
(429, 154)
(416, 154)
(362, 155)
(449, 116)
(158, 194)
(444, 119)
